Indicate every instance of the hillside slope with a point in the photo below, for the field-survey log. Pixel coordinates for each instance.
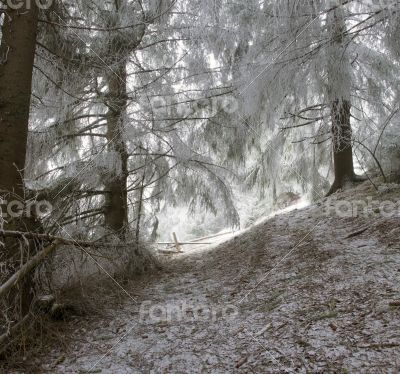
(309, 291)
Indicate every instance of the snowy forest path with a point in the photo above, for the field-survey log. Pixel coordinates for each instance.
(301, 292)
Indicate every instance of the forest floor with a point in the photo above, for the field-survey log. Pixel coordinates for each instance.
(303, 292)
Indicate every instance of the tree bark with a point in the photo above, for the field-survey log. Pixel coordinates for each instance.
(116, 204)
(17, 52)
(139, 213)
(339, 82)
(342, 146)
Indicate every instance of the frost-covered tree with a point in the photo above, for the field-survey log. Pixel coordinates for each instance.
(301, 81)
(126, 128)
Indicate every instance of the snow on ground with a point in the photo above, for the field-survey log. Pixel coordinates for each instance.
(303, 292)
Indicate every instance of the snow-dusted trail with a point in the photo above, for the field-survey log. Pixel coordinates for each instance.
(293, 294)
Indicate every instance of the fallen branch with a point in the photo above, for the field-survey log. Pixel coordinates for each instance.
(245, 359)
(166, 251)
(241, 362)
(211, 236)
(27, 267)
(40, 256)
(395, 304)
(356, 233)
(46, 237)
(60, 239)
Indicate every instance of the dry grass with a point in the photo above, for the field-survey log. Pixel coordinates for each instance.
(77, 302)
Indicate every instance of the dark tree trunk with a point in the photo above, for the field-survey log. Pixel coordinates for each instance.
(116, 204)
(342, 146)
(17, 53)
(139, 213)
(340, 106)
(153, 236)
(116, 207)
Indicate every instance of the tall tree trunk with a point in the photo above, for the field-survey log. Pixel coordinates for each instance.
(139, 213)
(342, 147)
(339, 81)
(116, 209)
(17, 52)
(116, 204)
